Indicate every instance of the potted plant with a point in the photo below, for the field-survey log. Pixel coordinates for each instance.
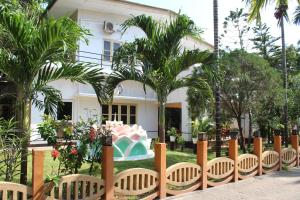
(64, 128)
(194, 137)
(234, 133)
(225, 129)
(294, 132)
(172, 132)
(47, 130)
(277, 129)
(200, 126)
(181, 142)
(257, 133)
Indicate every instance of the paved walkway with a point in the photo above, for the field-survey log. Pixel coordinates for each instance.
(275, 186)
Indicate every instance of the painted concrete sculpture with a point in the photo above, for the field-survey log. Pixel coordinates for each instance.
(129, 142)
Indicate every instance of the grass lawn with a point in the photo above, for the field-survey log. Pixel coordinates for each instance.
(173, 157)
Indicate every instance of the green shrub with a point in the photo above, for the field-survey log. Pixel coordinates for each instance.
(10, 149)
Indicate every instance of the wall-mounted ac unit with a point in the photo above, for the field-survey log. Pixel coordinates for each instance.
(108, 27)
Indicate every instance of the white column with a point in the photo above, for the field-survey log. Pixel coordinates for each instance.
(185, 122)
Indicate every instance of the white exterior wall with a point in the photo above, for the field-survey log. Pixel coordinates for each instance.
(94, 22)
(84, 100)
(244, 125)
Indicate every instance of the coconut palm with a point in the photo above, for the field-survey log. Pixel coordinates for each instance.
(41, 51)
(280, 15)
(158, 59)
(297, 16)
(217, 87)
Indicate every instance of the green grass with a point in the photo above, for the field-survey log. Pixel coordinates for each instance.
(173, 157)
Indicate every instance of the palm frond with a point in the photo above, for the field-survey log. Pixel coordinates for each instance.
(297, 16)
(50, 101)
(189, 58)
(56, 40)
(85, 73)
(123, 73)
(197, 83)
(255, 8)
(149, 26)
(175, 31)
(19, 28)
(9, 65)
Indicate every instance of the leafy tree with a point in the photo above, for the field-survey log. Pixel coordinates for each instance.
(246, 78)
(294, 96)
(265, 44)
(268, 108)
(280, 15)
(157, 60)
(41, 52)
(292, 59)
(236, 29)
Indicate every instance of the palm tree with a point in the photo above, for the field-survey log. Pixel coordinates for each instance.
(217, 87)
(297, 16)
(42, 51)
(198, 108)
(280, 14)
(157, 60)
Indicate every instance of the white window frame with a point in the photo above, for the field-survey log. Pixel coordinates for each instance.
(111, 51)
(111, 115)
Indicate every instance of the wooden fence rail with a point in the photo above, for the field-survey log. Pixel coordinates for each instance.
(150, 184)
(183, 177)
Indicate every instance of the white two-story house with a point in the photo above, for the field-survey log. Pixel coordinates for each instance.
(130, 105)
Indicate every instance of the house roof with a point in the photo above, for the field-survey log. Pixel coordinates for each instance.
(124, 2)
(162, 11)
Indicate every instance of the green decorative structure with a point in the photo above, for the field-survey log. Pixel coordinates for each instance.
(129, 142)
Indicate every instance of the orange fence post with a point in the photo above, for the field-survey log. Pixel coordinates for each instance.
(258, 153)
(37, 174)
(277, 148)
(295, 145)
(202, 161)
(108, 172)
(233, 154)
(161, 166)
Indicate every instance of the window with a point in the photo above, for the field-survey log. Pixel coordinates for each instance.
(109, 48)
(132, 114)
(122, 112)
(64, 110)
(104, 113)
(114, 112)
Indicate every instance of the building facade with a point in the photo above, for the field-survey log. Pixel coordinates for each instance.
(131, 104)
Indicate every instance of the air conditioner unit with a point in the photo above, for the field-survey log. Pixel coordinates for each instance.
(108, 27)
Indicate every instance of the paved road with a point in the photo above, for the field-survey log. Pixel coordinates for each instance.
(275, 186)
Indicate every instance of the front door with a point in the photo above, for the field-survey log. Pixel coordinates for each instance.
(173, 119)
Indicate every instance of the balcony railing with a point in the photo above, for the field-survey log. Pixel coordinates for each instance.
(104, 61)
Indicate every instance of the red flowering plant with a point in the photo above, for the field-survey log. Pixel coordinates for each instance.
(81, 143)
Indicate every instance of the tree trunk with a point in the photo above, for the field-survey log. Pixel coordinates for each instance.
(23, 114)
(161, 123)
(217, 89)
(250, 129)
(285, 74)
(242, 139)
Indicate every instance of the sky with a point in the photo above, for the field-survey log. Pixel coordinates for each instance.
(201, 11)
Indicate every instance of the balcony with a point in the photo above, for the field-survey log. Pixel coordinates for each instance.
(104, 61)
(129, 90)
